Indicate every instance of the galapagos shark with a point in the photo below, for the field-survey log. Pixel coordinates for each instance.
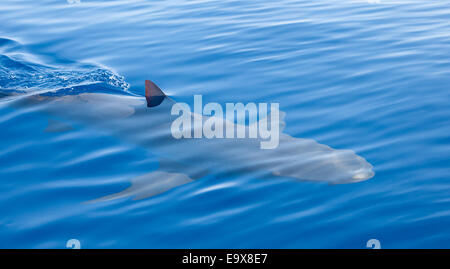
(146, 122)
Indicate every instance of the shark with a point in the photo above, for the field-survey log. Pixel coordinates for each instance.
(146, 121)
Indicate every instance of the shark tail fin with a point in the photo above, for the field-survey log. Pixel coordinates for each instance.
(153, 94)
(4, 94)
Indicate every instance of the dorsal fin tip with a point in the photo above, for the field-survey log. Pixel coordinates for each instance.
(153, 94)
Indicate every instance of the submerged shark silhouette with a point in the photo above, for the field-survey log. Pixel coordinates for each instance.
(146, 122)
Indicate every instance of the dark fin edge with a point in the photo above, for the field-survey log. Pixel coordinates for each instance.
(153, 94)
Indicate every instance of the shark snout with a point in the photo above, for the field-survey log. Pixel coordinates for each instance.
(363, 175)
(358, 169)
(364, 172)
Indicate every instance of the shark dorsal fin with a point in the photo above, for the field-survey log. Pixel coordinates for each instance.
(153, 94)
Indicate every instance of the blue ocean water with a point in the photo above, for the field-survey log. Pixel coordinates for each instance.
(370, 76)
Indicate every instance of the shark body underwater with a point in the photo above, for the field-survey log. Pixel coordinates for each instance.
(146, 122)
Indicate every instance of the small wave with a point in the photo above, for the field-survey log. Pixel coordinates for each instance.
(20, 74)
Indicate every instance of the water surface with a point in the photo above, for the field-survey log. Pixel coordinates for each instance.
(371, 77)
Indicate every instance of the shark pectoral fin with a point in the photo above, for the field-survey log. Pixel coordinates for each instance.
(56, 126)
(171, 166)
(148, 185)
